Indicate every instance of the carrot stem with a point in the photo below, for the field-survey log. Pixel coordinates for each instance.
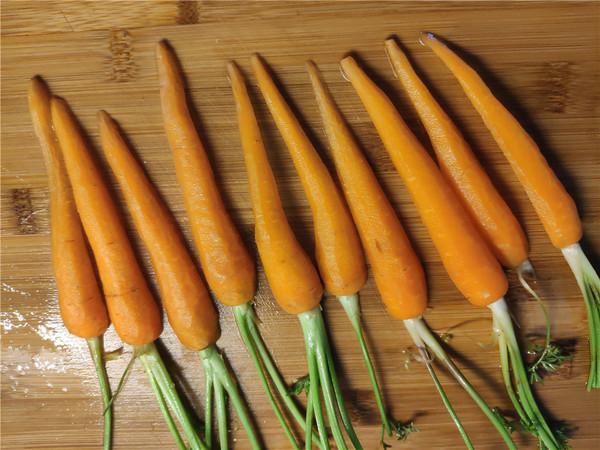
(246, 319)
(352, 308)
(314, 395)
(422, 335)
(95, 345)
(156, 370)
(524, 401)
(316, 341)
(222, 380)
(589, 283)
(208, 403)
(221, 414)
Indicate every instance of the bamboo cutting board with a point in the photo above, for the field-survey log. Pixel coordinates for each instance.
(540, 58)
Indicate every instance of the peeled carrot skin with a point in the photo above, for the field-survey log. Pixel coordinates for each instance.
(338, 251)
(291, 274)
(226, 263)
(395, 265)
(189, 308)
(554, 206)
(80, 301)
(467, 259)
(488, 210)
(131, 307)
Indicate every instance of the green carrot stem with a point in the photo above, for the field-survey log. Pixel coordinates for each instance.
(589, 283)
(505, 366)
(309, 422)
(351, 306)
(95, 345)
(315, 338)
(221, 414)
(244, 314)
(154, 364)
(220, 373)
(208, 402)
(419, 331)
(315, 396)
(503, 325)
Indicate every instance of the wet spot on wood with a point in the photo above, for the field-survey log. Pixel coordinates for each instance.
(122, 65)
(361, 407)
(556, 77)
(24, 211)
(187, 12)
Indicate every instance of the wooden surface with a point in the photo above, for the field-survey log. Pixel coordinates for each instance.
(540, 58)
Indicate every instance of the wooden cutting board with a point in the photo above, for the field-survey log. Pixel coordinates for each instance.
(540, 58)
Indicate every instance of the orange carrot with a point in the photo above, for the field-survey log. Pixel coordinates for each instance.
(81, 305)
(191, 312)
(131, 307)
(291, 274)
(338, 251)
(555, 208)
(490, 213)
(189, 308)
(393, 261)
(398, 272)
(229, 269)
(467, 259)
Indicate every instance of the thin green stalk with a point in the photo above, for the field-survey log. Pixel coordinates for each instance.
(315, 338)
(244, 314)
(419, 330)
(589, 283)
(164, 407)
(95, 345)
(505, 366)
(503, 325)
(208, 403)
(439, 388)
(314, 394)
(350, 304)
(220, 373)
(155, 367)
(221, 415)
(309, 422)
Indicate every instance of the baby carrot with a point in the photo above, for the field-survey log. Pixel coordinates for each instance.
(229, 269)
(396, 268)
(291, 274)
(131, 306)
(469, 262)
(555, 208)
(226, 263)
(490, 213)
(80, 301)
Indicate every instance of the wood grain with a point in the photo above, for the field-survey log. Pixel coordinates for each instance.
(540, 58)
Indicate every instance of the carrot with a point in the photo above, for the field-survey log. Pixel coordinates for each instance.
(490, 213)
(555, 208)
(290, 272)
(131, 306)
(396, 268)
(189, 308)
(226, 263)
(80, 301)
(469, 262)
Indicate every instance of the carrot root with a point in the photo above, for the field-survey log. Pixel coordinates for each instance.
(589, 283)
(352, 308)
(319, 354)
(424, 339)
(95, 345)
(215, 368)
(165, 390)
(510, 358)
(246, 319)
